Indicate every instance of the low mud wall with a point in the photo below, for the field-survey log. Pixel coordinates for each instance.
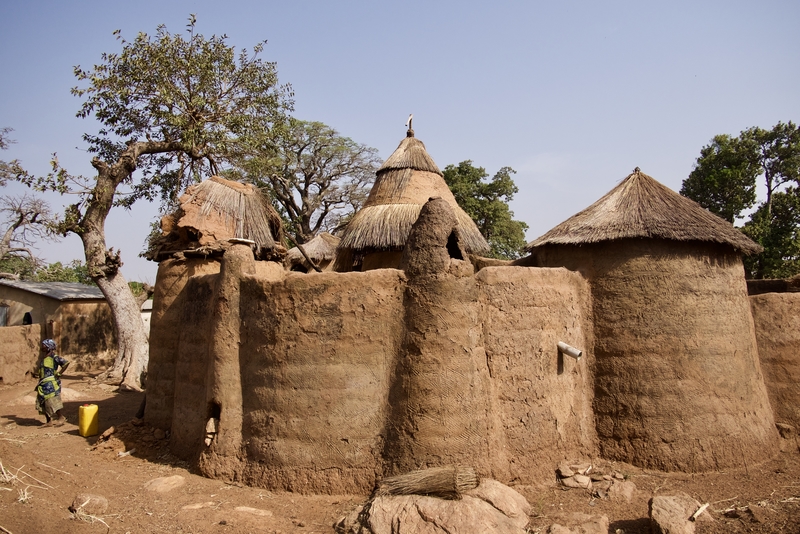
(777, 322)
(20, 352)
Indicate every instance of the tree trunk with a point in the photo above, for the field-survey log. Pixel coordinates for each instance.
(131, 363)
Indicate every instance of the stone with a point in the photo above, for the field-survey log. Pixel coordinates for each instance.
(669, 514)
(491, 508)
(577, 481)
(89, 504)
(159, 434)
(564, 470)
(622, 489)
(165, 484)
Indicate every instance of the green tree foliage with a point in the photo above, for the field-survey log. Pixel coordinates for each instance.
(724, 182)
(778, 231)
(486, 201)
(724, 178)
(175, 109)
(316, 177)
(74, 271)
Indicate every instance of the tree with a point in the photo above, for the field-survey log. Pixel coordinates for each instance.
(177, 110)
(487, 203)
(24, 220)
(74, 271)
(724, 182)
(778, 231)
(724, 178)
(9, 170)
(316, 179)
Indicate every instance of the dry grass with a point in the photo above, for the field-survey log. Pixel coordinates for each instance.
(321, 248)
(243, 209)
(446, 482)
(384, 226)
(410, 153)
(641, 207)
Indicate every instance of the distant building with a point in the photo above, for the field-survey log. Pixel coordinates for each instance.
(76, 316)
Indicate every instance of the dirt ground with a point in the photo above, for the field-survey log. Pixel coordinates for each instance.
(45, 468)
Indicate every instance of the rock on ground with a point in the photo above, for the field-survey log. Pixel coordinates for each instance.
(491, 508)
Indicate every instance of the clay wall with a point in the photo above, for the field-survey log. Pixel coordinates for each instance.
(543, 399)
(20, 352)
(777, 322)
(316, 359)
(678, 385)
(169, 301)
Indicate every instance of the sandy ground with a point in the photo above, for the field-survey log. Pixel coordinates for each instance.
(44, 469)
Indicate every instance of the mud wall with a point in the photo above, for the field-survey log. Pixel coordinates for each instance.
(316, 357)
(167, 326)
(777, 322)
(543, 399)
(678, 385)
(20, 352)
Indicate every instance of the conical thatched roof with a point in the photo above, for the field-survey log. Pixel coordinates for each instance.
(321, 248)
(641, 207)
(402, 186)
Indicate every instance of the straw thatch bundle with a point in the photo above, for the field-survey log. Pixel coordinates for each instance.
(241, 207)
(403, 185)
(321, 249)
(641, 207)
(447, 482)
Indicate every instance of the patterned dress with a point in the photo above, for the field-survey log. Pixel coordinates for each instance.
(48, 398)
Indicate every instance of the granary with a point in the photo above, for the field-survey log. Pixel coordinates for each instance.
(317, 254)
(376, 235)
(75, 315)
(678, 384)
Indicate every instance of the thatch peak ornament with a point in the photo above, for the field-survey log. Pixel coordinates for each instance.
(410, 131)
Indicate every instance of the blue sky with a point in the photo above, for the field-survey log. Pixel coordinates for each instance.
(572, 95)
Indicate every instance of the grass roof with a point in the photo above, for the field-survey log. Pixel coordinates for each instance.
(641, 207)
(405, 182)
(243, 208)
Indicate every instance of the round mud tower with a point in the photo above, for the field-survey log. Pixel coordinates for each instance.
(440, 397)
(678, 385)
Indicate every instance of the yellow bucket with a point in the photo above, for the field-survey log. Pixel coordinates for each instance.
(88, 420)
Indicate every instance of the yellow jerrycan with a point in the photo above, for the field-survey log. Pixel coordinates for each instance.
(88, 420)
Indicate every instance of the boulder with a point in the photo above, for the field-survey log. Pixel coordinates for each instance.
(491, 508)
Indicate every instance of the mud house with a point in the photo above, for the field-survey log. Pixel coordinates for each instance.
(75, 315)
(326, 383)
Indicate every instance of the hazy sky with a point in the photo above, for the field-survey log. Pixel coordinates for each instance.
(572, 95)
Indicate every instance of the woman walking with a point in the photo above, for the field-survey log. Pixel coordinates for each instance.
(48, 398)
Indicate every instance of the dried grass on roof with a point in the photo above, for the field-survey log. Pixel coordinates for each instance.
(322, 247)
(403, 185)
(385, 226)
(243, 209)
(641, 207)
(410, 154)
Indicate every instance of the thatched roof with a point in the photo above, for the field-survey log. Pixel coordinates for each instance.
(322, 247)
(245, 212)
(641, 207)
(403, 184)
(215, 211)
